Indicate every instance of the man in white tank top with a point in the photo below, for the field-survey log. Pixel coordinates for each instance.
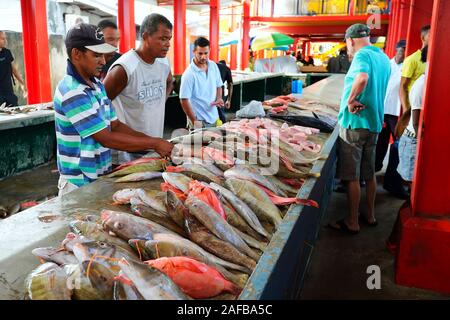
(139, 84)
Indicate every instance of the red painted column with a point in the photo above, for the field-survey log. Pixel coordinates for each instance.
(423, 258)
(36, 52)
(351, 7)
(419, 16)
(214, 7)
(245, 34)
(127, 26)
(233, 47)
(405, 8)
(179, 36)
(391, 41)
(431, 191)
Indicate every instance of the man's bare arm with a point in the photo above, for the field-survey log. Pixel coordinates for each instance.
(116, 80)
(404, 100)
(118, 126)
(169, 85)
(187, 108)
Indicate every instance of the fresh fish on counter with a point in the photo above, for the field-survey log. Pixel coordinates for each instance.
(82, 288)
(217, 225)
(162, 218)
(178, 180)
(127, 226)
(153, 198)
(256, 199)
(199, 234)
(155, 164)
(125, 289)
(140, 176)
(57, 255)
(252, 242)
(248, 173)
(124, 196)
(175, 208)
(243, 209)
(94, 231)
(196, 172)
(194, 278)
(151, 283)
(305, 121)
(48, 282)
(166, 245)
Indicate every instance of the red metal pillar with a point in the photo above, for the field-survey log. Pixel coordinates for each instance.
(127, 26)
(214, 7)
(233, 47)
(35, 49)
(179, 36)
(245, 34)
(405, 8)
(391, 41)
(419, 16)
(423, 258)
(351, 7)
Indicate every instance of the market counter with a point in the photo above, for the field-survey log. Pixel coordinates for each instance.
(28, 140)
(279, 273)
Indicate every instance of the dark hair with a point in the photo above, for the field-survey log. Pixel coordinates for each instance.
(425, 30)
(151, 23)
(222, 62)
(424, 54)
(201, 42)
(106, 24)
(69, 51)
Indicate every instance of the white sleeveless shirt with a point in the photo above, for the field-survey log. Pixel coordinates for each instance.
(141, 104)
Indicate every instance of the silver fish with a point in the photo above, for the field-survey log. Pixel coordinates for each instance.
(217, 225)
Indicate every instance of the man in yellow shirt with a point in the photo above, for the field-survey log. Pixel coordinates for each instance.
(412, 69)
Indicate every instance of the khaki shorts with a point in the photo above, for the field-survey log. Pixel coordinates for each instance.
(356, 154)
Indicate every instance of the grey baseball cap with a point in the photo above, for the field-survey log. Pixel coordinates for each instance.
(357, 30)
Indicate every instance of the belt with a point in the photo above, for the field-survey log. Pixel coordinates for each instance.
(409, 134)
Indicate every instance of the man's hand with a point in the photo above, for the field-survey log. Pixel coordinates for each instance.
(164, 148)
(218, 103)
(228, 104)
(24, 90)
(355, 106)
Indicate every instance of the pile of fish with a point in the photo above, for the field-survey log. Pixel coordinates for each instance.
(308, 113)
(200, 234)
(5, 110)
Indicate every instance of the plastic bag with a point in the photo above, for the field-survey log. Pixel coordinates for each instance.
(252, 110)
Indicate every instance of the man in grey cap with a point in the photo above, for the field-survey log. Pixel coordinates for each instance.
(360, 119)
(86, 124)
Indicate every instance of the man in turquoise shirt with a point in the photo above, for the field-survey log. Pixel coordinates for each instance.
(360, 119)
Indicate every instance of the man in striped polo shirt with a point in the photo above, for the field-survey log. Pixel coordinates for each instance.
(86, 124)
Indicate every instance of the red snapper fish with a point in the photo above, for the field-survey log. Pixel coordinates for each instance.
(194, 278)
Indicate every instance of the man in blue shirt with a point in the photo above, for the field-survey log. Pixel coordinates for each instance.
(360, 119)
(201, 88)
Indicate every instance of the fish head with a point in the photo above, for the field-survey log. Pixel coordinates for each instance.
(89, 250)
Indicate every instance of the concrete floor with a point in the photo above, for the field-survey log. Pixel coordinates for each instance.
(32, 185)
(338, 268)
